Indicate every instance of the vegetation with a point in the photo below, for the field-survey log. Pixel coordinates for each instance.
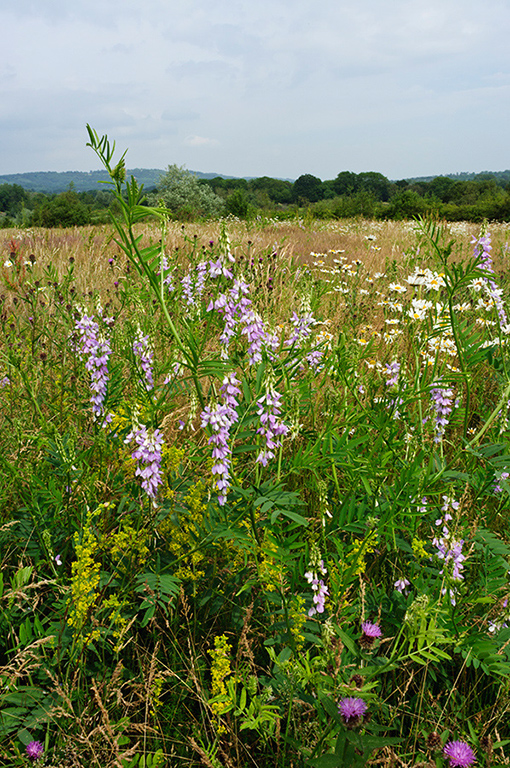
(187, 195)
(254, 499)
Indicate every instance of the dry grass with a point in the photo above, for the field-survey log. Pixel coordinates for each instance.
(91, 247)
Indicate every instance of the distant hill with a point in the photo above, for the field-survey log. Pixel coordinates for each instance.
(52, 182)
(55, 181)
(466, 176)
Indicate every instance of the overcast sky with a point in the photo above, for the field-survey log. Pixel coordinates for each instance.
(257, 87)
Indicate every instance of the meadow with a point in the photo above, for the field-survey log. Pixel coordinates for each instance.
(254, 493)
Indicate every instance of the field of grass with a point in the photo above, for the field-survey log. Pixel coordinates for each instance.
(254, 494)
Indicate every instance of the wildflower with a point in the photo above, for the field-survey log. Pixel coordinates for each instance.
(220, 670)
(302, 327)
(144, 354)
(97, 348)
(352, 710)
(316, 566)
(434, 281)
(419, 277)
(35, 750)
(321, 592)
(419, 309)
(271, 427)
(503, 476)
(148, 456)
(482, 251)
(370, 634)
(220, 419)
(392, 372)
(443, 404)
(459, 754)
(401, 585)
(397, 288)
(58, 560)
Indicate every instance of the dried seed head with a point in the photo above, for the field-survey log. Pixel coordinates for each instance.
(433, 740)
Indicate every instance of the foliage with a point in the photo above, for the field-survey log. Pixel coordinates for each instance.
(181, 192)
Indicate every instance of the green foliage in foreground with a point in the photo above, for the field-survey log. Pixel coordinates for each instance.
(348, 539)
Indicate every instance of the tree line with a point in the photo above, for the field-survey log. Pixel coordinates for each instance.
(368, 194)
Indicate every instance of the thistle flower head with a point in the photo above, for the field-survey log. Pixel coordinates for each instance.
(459, 754)
(35, 750)
(352, 710)
(370, 633)
(371, 630)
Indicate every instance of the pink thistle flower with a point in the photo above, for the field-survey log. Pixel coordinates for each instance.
(35, 750)
(370, 634)
(352, 710)
(459, 754)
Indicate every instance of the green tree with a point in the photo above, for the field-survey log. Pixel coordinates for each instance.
(238, 204)
(12, 198)
(307, 188)
(376, 184)
(346, 183)
(181, 192)
(64, 210)
(278, 190)
(442, 188)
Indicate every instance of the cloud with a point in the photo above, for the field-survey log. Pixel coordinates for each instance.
(200, 141)
(284, 86)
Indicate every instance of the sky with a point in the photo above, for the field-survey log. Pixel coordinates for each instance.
(257, 88)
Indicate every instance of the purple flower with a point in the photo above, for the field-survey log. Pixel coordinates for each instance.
(371, 630)
(193, 290)
(503, 476)
(370, 634)
(143, 352)
(481, 252)
(443, 404)
(319, 598)
(392, 372)
(271, 427)
(148, 456)
(401, 585)
(302, 328)
(35, 750)
(449, 549)
(459, 754)
(220, 419)
(352, 710)
(255, 331)
(97, 348)
(58, 560)
(320, 590)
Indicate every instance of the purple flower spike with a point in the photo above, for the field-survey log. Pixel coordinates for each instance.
(96, 348)
(352, 710)
(35, 750)
(443, 404)
(148, 456)
(220, 418)
(144, 354)
(459, 754)
(271, 427)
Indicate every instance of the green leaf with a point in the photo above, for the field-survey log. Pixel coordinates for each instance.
(327, 761)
